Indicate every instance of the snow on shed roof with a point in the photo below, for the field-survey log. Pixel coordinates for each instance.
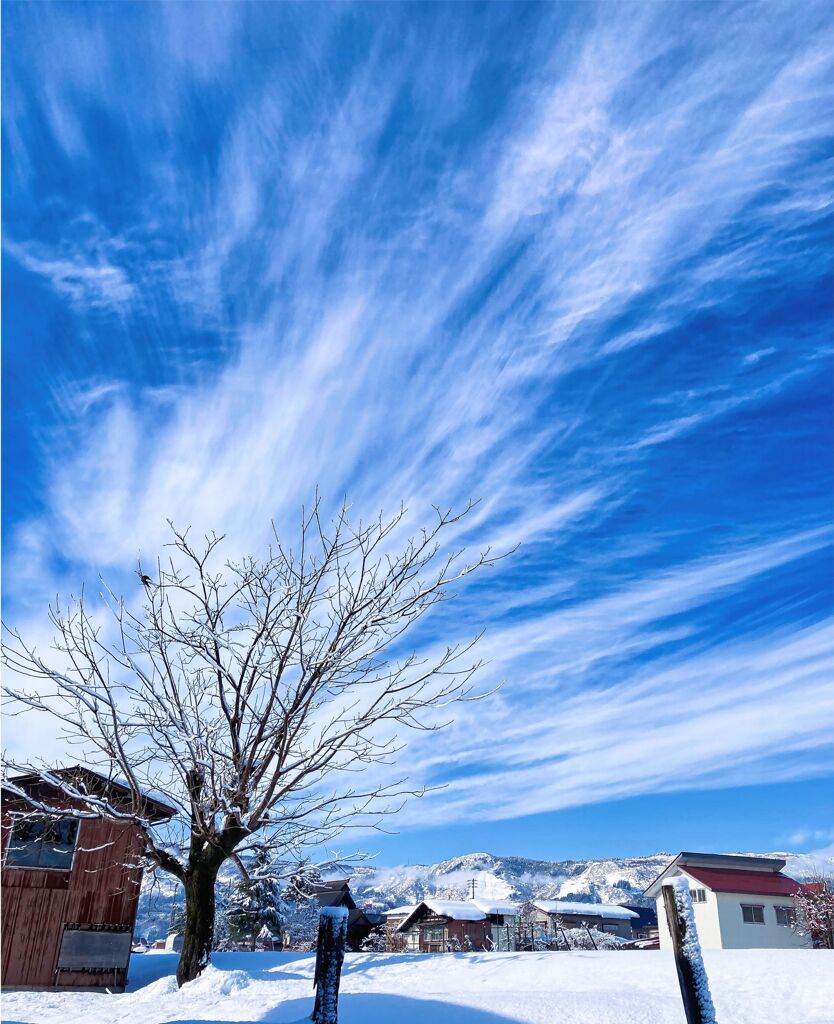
(457, 910)
(399, 911)
(495, 906)
(86, 779)
(610, 910)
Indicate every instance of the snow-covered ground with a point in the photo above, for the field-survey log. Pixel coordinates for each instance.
(748, 987)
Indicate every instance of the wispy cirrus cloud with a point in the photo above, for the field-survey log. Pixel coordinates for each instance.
(564, 276)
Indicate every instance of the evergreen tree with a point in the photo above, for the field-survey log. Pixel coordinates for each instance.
(375, 942)
(255, 905)
(302, 907)
(176, 924)
(301, 925)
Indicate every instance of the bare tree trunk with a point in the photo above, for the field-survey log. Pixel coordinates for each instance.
(199, 920)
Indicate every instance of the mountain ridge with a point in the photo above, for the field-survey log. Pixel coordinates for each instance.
(619, 880)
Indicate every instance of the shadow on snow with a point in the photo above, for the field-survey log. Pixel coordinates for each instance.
(372, 1008)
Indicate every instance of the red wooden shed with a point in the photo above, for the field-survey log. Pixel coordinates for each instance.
(70, 887)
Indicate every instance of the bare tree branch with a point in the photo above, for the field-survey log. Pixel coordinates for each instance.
(252, 692)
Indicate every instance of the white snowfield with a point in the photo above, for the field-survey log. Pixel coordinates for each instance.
(748, 987)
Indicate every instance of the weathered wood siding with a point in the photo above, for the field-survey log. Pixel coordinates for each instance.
(102, 887)
(476, 933)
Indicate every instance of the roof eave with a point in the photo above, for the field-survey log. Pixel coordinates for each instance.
(672, 863)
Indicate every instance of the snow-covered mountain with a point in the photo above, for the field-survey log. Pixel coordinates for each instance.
(618, 880)
(518, 878)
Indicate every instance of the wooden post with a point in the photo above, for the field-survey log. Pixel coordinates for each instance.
(330, 954)
(692, 976)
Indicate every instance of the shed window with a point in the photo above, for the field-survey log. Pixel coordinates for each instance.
(40, 843)
(785, 917)
(698, 895)
(752, 914)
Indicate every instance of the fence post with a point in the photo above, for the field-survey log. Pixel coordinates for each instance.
(330, 954)
(692, 975)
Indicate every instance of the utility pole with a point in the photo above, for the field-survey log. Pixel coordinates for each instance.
(472, 886)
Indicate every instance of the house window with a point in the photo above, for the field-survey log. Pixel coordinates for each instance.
(752, 914)
(42, 843)
(433, 934)
(698, 895)
(785, 917)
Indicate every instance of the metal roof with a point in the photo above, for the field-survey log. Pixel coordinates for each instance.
(753, 883)
(734, 863)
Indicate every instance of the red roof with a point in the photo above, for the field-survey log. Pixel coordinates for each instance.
(755, 883)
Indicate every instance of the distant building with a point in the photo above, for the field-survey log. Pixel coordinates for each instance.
(334, 894)
(503, 920)
(361, 923)
(440, 926)
(739, 902)
(70, 886)
(604, 917)
(644, 926)
(397, 915)
(395, 942)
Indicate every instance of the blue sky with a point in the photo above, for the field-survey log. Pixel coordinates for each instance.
(572, 260)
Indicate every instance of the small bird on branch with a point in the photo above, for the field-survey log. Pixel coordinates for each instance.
(146, 580)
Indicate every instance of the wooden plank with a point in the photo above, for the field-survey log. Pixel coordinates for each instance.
(102, 888)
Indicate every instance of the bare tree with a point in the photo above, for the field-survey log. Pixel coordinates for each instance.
(813, 910)
(254, 695)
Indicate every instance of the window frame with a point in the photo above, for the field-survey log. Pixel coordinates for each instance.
(753, 907)
(790, 913)
(11, 865)
(698, 895)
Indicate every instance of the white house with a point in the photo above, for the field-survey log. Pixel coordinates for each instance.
(739, 902)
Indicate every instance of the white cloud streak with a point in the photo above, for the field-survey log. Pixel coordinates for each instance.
(426, 350)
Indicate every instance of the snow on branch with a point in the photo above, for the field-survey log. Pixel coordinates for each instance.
(251, 695)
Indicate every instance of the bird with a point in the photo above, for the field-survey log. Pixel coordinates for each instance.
(145, 579)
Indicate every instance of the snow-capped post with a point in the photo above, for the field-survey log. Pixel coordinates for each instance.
(692, 975)
(330, 954)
